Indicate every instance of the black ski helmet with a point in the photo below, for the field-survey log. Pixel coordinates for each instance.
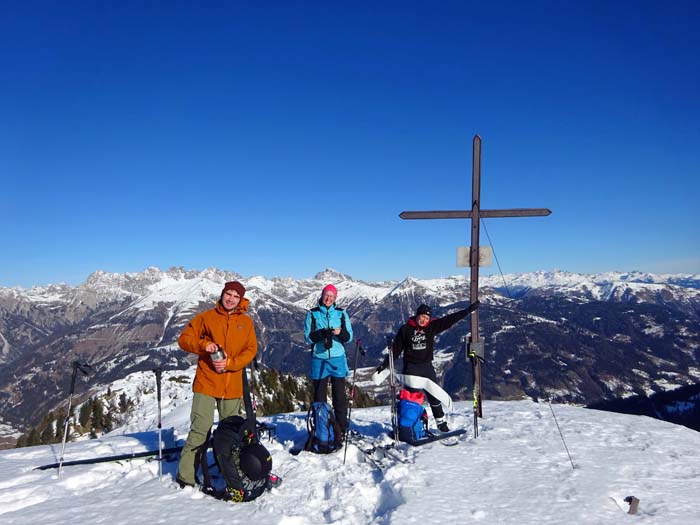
(255, 461)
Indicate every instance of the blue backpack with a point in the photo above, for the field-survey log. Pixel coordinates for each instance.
(413, 419)
(320, 422)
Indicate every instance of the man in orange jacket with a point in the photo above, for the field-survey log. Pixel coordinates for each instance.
(217, 383)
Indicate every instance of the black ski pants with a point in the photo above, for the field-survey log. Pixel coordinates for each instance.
(425, 370)
(340, 401)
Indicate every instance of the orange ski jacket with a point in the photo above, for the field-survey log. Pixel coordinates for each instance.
(235, 333)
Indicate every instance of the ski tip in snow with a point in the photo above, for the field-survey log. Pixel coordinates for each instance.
(446, 438)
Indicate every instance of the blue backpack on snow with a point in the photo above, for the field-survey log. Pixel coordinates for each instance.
(413, 419)
(320, 422)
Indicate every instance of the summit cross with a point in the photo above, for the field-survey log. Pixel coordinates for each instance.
(475, 345)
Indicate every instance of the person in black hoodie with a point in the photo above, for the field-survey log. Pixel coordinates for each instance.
(415, 340)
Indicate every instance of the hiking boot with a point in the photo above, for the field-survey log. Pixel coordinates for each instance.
(339, 440)
(442, 427)
(182, 483)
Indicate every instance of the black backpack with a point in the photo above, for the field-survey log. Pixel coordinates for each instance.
(243, 461)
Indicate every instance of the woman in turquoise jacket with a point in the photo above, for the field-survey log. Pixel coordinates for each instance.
(327, 328)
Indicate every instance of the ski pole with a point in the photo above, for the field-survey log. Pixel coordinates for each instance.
(262, 427)
(159, 372)
(85, 369)
(254, 369)
(476, 356)
(392, 387)
(249, 410)
(573, 467)
(358, 350)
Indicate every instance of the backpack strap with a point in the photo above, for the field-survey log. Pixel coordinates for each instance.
(310, 428)
(231, 430)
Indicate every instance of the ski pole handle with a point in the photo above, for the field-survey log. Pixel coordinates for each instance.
(159, 374)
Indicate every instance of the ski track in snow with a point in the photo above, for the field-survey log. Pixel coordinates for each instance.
(516, 471)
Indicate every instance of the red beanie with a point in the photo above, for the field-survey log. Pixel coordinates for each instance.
(234, 285)
(330, 288)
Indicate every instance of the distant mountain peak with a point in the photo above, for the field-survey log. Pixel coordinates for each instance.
(332, 276)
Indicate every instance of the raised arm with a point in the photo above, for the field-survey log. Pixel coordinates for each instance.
(443, 323)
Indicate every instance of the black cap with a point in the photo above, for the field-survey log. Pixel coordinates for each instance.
(423, 309)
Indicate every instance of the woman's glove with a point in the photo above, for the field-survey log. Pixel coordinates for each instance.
(328, 339)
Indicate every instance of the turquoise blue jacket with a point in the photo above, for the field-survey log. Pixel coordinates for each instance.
(316, 331)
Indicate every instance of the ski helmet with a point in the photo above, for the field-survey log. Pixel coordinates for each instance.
(255, 461)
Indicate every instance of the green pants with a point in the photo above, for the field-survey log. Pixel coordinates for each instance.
(201, 420)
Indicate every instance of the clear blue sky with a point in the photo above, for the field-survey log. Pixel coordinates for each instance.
(281, 138)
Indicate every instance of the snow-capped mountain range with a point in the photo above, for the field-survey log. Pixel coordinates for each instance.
(569, 337)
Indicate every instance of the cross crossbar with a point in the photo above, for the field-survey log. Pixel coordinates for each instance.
(467, 214)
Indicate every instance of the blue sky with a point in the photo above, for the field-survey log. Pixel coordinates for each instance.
(284, 138)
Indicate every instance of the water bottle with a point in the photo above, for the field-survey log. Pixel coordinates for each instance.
(219, 354)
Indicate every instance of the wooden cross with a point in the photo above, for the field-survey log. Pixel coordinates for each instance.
(475, 346)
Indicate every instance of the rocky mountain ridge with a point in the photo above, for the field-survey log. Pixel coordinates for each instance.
(569, 337)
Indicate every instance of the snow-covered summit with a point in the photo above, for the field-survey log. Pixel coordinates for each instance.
(517, 471)
(332, 276)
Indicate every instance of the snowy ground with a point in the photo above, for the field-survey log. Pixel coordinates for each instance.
(516, 471)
